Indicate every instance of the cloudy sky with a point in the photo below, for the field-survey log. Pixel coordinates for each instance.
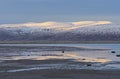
(21, 11)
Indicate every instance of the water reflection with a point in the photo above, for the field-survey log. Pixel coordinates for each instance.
(27, 57)
(81, 53)
(45, 55)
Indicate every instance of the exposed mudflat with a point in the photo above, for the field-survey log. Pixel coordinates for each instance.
(59, 62)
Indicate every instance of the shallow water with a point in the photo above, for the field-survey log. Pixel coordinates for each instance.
(101, 56)
(93, 53)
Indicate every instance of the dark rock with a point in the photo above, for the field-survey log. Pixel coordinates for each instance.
(89, 64)
(83, 59)
(63, 52)
(117, 55)
(113, 52)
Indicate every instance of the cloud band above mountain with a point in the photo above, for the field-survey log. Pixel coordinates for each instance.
(57, 25)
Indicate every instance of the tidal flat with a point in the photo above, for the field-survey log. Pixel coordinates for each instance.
(59, 61)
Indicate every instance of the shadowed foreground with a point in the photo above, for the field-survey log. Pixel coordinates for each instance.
(62, 74)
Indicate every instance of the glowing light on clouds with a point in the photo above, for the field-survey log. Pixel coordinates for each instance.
(58, 25)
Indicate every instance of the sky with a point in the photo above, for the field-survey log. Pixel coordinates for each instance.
(21, 11)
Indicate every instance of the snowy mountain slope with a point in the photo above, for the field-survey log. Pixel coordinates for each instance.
(109, 28)
(60, 31)
(59, 26)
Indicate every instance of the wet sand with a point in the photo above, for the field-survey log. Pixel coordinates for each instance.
(62, 74)
(18, 62)
(53, 73)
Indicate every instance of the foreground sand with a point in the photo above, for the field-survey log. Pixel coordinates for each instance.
(58, 65)
(62, 74)
(54, 73)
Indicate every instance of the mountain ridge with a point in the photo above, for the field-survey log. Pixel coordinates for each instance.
(61, 31)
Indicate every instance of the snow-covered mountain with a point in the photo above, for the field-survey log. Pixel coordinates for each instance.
(76, 31)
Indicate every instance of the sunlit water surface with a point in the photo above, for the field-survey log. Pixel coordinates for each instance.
(101, 56)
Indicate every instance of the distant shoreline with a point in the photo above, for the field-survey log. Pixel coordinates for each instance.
(59, 42)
